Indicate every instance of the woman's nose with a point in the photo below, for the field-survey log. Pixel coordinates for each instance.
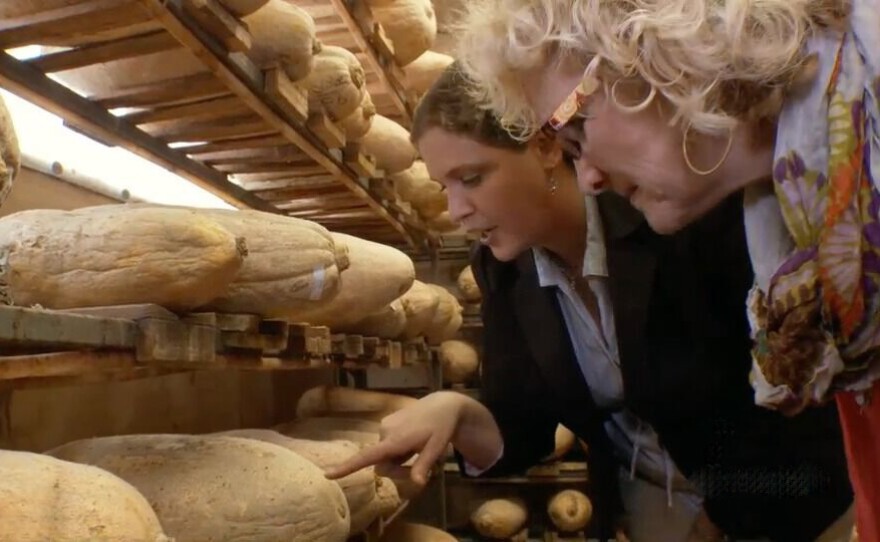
(459, 206)
(590, 180)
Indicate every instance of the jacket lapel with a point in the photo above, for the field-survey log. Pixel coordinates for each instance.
(632, 263)
(543, 326)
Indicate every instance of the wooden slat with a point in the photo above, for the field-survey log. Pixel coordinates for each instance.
(206, 149)
(210, 108)
(242, 77)
(170, 91)
(81, 19)
(209, 130)
(374, 63)
(21, 327)
(258, 167)
(220, 23)
(64, 364)
(88, 55)
(322, 204)
(36, 87)
(253, 154)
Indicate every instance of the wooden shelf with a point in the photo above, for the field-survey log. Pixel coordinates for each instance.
(133, 341)
(228, 118)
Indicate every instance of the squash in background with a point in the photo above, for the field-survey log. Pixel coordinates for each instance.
(377, 275)
(570, 510)
(468, 287)
(419, 304)
(359, 123)
(10, 153)
(459, 361)
(500, 518)
(411, 25)
(423, 71)
(283, 33)
(388, 322)
(349, 402)
(337, 82)
(389, 143)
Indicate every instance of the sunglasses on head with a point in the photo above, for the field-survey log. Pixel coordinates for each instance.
(573, 108)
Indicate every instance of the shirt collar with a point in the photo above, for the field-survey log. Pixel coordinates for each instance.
(595, 261)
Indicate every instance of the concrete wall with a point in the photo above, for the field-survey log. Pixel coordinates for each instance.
(36, 419)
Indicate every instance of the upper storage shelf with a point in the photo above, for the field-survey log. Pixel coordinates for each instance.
(189, 85)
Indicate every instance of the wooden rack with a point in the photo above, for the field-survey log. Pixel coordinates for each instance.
(227, 118)
(43, 347)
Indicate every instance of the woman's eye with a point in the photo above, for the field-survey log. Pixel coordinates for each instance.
(471, 180)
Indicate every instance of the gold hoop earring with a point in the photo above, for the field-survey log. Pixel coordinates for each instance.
(641, 106)
(687, 159)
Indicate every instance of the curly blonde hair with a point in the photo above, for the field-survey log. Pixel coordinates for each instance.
(716, 62)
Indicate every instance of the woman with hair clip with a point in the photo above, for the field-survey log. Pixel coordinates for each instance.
(628, 338)
(676, 105)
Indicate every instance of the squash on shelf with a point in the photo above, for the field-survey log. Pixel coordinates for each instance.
(350, 403)
(447, 318)
(419, 304)
(45, 498)
(565, 440)
(570, 510)
(388, 322)
(292, 264)
(377, 275)
(389, 143)
(283, 34)
(361, 488)
(443, 223)
(424, 70)
(361, 432)
(467, 286)
(459, 361)
(222, 488)
(337, 82)
(10, 153)
(411, 25)
(116, 255)
(414, 532)
(500, 519)
(359, 123)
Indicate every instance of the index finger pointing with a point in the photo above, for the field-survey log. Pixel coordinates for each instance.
(365, 458)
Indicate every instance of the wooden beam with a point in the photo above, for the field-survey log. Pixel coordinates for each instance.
(210, 108)
(245, 80)
(206, 149)
(64, 364)
(249, 155)
(21, 327)
(109, 51)
(178, 131)
(34, 86)
(170, 91)
(220, 23)
(374, 62)
(81, 19)
(308, 183)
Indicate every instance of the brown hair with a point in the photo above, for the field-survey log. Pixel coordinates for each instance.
(450, 105)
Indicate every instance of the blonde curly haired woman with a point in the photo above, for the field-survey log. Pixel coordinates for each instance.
(676, 104)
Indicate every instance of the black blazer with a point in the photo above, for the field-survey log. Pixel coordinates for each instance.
(679, 310)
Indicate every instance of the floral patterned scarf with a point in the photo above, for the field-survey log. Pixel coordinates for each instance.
(815, 238)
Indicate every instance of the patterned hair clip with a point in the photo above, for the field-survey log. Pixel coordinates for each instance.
(574, 102)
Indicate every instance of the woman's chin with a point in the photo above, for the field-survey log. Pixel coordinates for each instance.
(505, 252)
(665, 222)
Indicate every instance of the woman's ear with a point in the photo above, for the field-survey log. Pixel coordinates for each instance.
(547, 149)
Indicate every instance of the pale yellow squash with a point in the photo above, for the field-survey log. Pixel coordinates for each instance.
(337, 82)
(424, 71)
(419, 303)
(389, 143)
(10, 153)
(207, 488)
(283, 34)
(459, 360)
(500, 518)
(115, 255)
(43, 498)
(570, 510)
(467, 286)
(411, 25)
(377, 275)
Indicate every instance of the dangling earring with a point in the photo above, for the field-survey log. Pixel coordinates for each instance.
(553, 185)
(713, 169)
